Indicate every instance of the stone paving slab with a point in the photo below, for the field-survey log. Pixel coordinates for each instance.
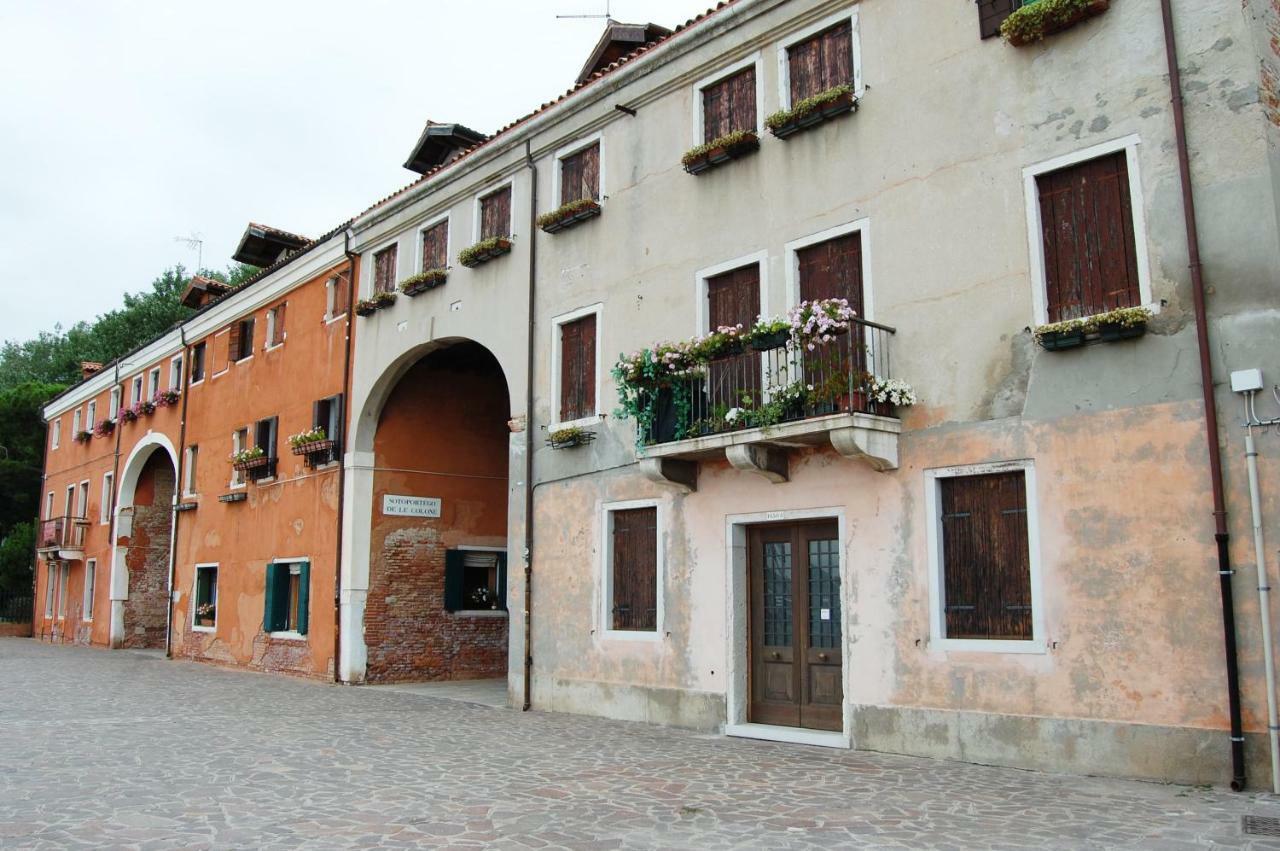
(103, 749)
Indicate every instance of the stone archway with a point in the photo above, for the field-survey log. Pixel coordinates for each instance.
(143, 545)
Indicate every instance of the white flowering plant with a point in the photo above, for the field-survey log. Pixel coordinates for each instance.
(891, 391)
(314, 435)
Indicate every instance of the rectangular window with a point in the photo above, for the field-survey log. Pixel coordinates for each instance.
(77, 420)
(327, 414)
(175, 373)
(69, 503)
(384, 270)
(580, 173)
(985, 557)
(578, 368)
(495, 214)
(197, 362)
(82, 500)
(135, 393)
(821, 62)
(733, 300)
(264, 437)
(108, 497)
(239, 443)
(1087, 227)
(729, 105)
(91, 415)
(275, 325)
(475, 580)
(64, 576)
(240, 345)
(55, 437)
(90, 583)
(435, 246)
(204, 614)
(287, 597)
(113, 406)
(48, 506)
(50, 586)
(153, 384)
(336, 295)
(632, 579)
(991, 14)
(189, 471)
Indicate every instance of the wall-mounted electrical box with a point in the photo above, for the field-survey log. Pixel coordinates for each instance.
(1246, 380)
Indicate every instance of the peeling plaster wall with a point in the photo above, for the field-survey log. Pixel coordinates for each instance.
(147, 555)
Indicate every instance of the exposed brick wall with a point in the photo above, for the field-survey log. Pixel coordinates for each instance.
(147, 557)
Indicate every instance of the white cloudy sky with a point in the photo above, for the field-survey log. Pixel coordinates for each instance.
(125, 124)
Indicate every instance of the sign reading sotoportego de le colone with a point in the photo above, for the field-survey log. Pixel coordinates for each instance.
(410, 506)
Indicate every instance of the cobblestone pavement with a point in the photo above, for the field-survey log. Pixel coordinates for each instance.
(117, 749)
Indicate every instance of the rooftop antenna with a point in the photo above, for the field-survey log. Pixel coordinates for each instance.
(607, 16)
(194, 242)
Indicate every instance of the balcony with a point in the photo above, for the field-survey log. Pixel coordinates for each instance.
(63, 538)
(755, 406)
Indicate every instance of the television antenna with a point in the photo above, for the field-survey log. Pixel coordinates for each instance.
(195, 243)
(607, 16)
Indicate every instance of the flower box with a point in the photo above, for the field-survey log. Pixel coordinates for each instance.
(236, 496)
(1041, 18)
(424, 281)
(1110, 332)
(83, 436)
(128, 415)
(484, 251)
(105, 428)
(737, 144)
(364, 307)
(1057, 340)
(770, 341)
(812, 111)
(376, 302)
(244, 465)
(166, 398)
(316, 452)
(566, 438)
(568, 215)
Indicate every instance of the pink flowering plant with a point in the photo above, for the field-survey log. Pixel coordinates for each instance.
(104, 427)
(820, 321)
(166, 398)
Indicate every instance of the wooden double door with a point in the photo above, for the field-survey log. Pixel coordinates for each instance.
(796, 671)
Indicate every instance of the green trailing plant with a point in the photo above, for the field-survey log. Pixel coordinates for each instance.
(728, 140)
(424, 280)
(1035, 20)
(564, 211)
(783, 117)
(473, 254)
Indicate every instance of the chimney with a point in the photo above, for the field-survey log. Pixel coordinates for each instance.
(88, 368)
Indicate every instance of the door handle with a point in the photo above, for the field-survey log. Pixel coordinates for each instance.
(822, 657)
(776, 655)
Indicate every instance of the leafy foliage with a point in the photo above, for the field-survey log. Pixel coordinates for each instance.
(728, 140)
(785, 116)
(1035, 20)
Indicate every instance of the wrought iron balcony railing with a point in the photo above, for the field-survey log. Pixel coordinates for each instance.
(63, 533)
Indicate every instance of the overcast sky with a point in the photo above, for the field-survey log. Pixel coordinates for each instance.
(126, 124)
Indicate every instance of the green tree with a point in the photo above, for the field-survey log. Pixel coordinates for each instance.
(17, 551)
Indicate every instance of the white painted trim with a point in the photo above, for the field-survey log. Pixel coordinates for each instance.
(56, 437)
(332, 310)
(290, 634)
(447, 218)
(855, 38)
(701, 315)
(82, 499)
(699, 118)
(90, 414)
(108, 497)
(176, 364)
(195, 586)
(135, 389)
(88, 590)
(789, 735)
(792, 262)
(153, 380)
(604, 574)
(933, 536)
(371, 264)
(64, 576)
(189, 470)
(563, 319)
(493, 189)
(77, 422)
(113, 401)
(1035, 237)
(287, 635)
(596, 138)
(238, 478)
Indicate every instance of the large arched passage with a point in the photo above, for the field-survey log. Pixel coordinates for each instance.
(436, 604)
(143, 547)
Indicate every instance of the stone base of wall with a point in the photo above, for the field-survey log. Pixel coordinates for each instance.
(1064, 745)
(15, 630)
(695, 710)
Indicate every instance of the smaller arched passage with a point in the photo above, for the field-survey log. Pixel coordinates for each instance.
(436, 604)
(143, 550)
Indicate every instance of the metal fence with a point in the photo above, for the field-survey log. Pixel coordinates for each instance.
(15, 608)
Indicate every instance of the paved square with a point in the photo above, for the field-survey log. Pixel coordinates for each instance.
(119, 749)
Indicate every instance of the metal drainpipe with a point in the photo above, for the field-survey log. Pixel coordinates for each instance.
(35, 540)
(115, 490)
(1221, 535)
(342, 472)
(177, 493)
(528, 433)
(1264, 593)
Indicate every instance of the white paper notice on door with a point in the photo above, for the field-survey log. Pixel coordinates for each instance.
(825, 614)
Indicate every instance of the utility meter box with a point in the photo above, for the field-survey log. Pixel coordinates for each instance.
(1246, 380)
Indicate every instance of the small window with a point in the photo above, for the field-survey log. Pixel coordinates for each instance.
(287, 593)
(197, 362)
(275, 325)
(264, 436)
(327, 414)
(435, 246)
(204, 616)
(475, 580)
(135, 394)
(580, 174)
(114, 404)
(64, 577)
(384, 270)
(991, 14)
(239, 443)
(55, 438)
(820, 62)
(48, 506)
(77, 420)
(91, 415)
(69, 503)
(240, 346)
(633, 569)
(50, 586)
(495, 214)
(90, 582)
(108, 497)
(175, 373)
(578, 368)
(189, 471)
(729, 105)
(336, 295)
(82, 500)
(153, 385)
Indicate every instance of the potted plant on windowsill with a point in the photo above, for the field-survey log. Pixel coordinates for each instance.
(166, 398)
(483, 598)
(83, 436)
(313, 445)
(1123, 323)
(423, 281)
(1041, 18)
(1067, 334)
(484, 251)
(249, 459)
(128, 415)
(769, 334)
(104, 428)
(206, 614)
(374, 303)
(730, 146)
(820, 321)
(892, 392)
(567, 438)
(811, 111)
(145, 407)
(567, 215)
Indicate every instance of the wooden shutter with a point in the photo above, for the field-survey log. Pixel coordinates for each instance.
(821, 62)
(495, 214)
(729, 105)
(276, 598)
(635, 569)
(578, 368)
(986, 558)
(435, 246)
(233, 343)
(832, 269)
(304, 597)
(580, 175)
(733, 298)
(453, 570)
(384, 270)
(265, 436)
(340, 294)
(991, 14)
(502, 581)
(278, 326)
(1090, 253)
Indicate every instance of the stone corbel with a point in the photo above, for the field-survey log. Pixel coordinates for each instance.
(670, 471)
(877, 448)
(766, 461)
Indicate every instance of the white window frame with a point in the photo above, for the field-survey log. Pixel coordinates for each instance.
(238, 478)
(82, 500)
(56, 438)
(483, 613)
(204, 367)
(1035, 230)
(189, 465)
(933, 533)
(69, 502)
(699, 118)
(448, 240)
(153, 380)
(108, 497)
(702, 317)
(48, 505)
(371, 278)
(604, 573)
(64, 577)
(113, 403)
(557, 176)
(175, 372)
(598, 310)
(855, 39)
(792, 252)
(292, 634)
(50, 586)
(77, 422)
(90, 588)
(332, 311)
(90, 414)
(492, 189)
(209, 351)
(272, 315)
(195, 585)
(135, 389)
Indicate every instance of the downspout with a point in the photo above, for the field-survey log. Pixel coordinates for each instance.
(1221, 536)
(342, 473)
(115, 490)
(1264, 593)
(177, 492)
(528, 432)
(35, 540)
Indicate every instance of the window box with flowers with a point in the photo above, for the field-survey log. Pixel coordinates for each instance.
(730, 146)
(567, 215)
(252, 461)
(1123, 323)
(166, 398)
(812, 111)
(313, 446)
(423, 281)
(374, 303)
(484, 251)
(104, 428)
(569, 437)
(83, 436)
(1036, 19)
(129, 415)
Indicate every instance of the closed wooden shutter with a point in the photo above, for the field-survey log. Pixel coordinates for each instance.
(502, 581)
(278, 329)
(304, 598)
(276, 598)
(832, 269)
(384, 270)
(495, 214)
(341, 294)
(986, 557)
(635, 569)
(265, 436)
(729, 105)
(435, 246)
(453, 569)
(1090, 254)
(578, 368)
(991, 14)
(733, 298)
(233, 343)
(580, 175)
(821, 62)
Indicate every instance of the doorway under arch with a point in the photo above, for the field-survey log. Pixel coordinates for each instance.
(143, 547)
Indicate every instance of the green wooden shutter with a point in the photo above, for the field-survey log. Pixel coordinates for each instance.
(270, 607)
(304, 597)
(502, 581)
(453, 560)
